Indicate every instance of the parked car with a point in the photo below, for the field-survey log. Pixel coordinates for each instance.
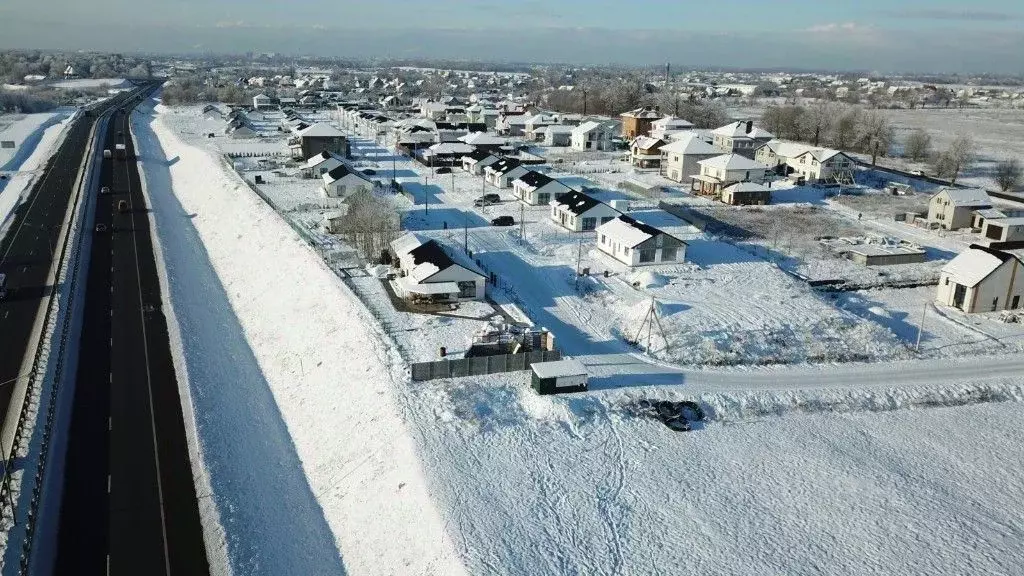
(122, 206)
(487, 200)
(370, 172)
(101, 227)
(443, 170)
(105, 190)
(503, 221)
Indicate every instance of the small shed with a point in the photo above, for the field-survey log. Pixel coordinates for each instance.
(559, 376)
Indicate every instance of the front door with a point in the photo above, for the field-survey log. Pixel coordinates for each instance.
(958, 296)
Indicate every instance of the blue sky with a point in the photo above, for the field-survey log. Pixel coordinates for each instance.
(884, 35)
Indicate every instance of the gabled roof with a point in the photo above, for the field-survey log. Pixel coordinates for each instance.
(671, 122)
(646, 112)
(691, 144)
(786, 148)
(576, 202)
(732, 162)
(741, 187)
(967, 197)
(558, 129)
(587, 127)
(504, 165)
(425, 258)
(647, 142)
(321, 130)
(629, 231)
(320, 158)
(739, 130)
(451, 148)
(482, 139)
(535, 179)
(478, 155)
(974, 264)
(340, 172)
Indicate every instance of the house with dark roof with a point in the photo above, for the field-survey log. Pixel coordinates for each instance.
(477, 160)
(579, 212)
(501, 173)
(637, 244)
(982, 279)
(319, 164)
(431, 271)
(342, 181)
(536, 188)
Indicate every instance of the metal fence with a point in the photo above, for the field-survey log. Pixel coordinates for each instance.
(481, 365)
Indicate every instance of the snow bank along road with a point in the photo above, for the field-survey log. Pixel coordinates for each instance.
(129, 503)
(294, 390)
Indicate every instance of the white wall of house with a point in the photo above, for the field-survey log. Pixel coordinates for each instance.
(321, 168)
(755, 175)
(652, 251)
(504, 180)
(345, 186)
(458, 273)
(997, 291)
(949, 215)
(539, 196)
(597, 139)
(682, 167)
(586, 222)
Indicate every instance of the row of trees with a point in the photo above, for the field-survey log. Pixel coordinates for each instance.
(15, 65)
(832, 124)
(961, 153)
(370, 224)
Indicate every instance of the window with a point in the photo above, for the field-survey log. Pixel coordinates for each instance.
(543, 198)
(947, 280)
(668, 254)
(995, 303)
(603, 239)
(589, 224)
(647, 255)
(467, 289)
(606, 219)
(1016, 302)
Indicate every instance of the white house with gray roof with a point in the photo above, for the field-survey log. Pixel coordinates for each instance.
(579, 212)
(953, 208)
(637, 244)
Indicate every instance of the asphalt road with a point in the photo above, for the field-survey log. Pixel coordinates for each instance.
(129, 503)
(26, 253)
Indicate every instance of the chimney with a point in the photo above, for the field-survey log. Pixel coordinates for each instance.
(750, 126)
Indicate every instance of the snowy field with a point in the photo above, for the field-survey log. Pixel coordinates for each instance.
(91, 83)
(36, 138)
(481, 476)
(576, 485)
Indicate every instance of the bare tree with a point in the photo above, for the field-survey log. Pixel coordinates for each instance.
(953, 160)
(918, 145)
(844, 133)
(1008, 174)
(784, 121)
(876, 135)
(818, 120)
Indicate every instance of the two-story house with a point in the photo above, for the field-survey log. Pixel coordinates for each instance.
(741, 138)
(718, 172)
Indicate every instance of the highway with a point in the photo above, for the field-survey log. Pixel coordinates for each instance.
(26, 253)
(129, 503)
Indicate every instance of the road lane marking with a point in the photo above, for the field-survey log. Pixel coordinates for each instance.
(108, 483)
(110, 423)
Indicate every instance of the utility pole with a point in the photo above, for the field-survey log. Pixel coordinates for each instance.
(522, 223)
(579, 261)
(426, 196)
(465, 232)
(920, 327)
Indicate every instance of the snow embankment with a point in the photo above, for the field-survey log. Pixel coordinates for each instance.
(36, 137)
(331, 372)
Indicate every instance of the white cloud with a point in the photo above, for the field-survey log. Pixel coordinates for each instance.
(837, 27)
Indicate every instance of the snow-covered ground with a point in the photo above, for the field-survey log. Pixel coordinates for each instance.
(831, 469)
(296, 393)
(36, 137)
(91, 83)
(576, 485)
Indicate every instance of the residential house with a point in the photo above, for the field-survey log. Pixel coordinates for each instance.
(431, 271)
(536, 188)
(501, 173)
(262, 102)
(953, 208)
(211, 112)
(740, 138)
(444, 154)
(718, 172)
(776, 154)
(477, 160)
(318, 138)
(557, 135)
(240, 129)
(535, 124)
(746, 194)
(679, 158)
(511, 124)
(579, 212)
(638, 122)
(636, 244)
(592, 136)
(823, 165)
(664, 128)
(1004, 229)
(483, 141)
(343, 181)
(981, 279)
(645, 152)
(318, 165)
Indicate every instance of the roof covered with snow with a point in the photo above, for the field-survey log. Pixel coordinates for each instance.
(567, 367)
(504, 165)
(732, 162)
(691, 143)
(451, 148)
(742, 130)
(482, 139)
(320, 158)
(974, 264)
(966, 196)
(628, 231)
(741, 187)
(534, 179)
(576, 202)
(671, 123)
(424, 258)
(647, 142)
(321, 130)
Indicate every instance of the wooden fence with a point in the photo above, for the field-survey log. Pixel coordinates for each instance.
(481, 365)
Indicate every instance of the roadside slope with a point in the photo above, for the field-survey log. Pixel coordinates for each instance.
(328, 370)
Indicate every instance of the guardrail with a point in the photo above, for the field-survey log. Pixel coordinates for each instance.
(71, 247)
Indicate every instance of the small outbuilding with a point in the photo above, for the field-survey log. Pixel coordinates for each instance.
(567, 375)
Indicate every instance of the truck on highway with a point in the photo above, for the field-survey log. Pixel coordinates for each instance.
(121, 151)
(107, 155)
